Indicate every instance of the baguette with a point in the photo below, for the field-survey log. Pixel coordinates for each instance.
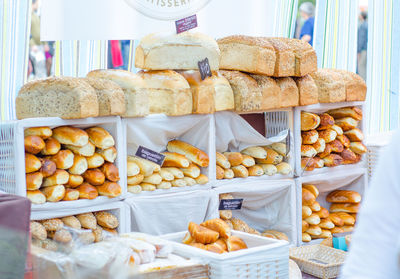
(166, 175)
(146, 167)
(189, 181)
(222, 161)
(345, 207)
(192, 153)
(343, 196)
(255, 151)
(240, 171)
(179, 183)
(154, 179)
(248, 161)
(192, 171)
(255, 171)
(234, 158)
(136, 179)
(173, 159)
(177, 173)
(202, 179)
(168, 185)
(269, 169)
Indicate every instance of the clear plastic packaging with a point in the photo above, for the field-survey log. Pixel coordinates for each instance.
(163, 248)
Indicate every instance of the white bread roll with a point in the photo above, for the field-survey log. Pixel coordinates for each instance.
(60, 177)
(70, 135)
(87, 150)
(36, 197)
(52, 146)
(54, 193)
(64, 159)
(95, 161)
(80, 165)
(43, 132)
(100, 137)
(109, 154)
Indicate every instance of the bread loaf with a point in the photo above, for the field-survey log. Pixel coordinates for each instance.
(305, 56)
(347, 218)
(337, 146)
(356, 89)
(106, 219)
(37, 230)
(331, 88)
(308, 90)
(314, 230)
(312, 188)
(219, 226)
(343, 140)
(349, 157)
(323, 213)
(64, 97)
(306, 211)
(43, 132)
(313, 219)
(270, 91)
(222, 161)
(315, 207)
(307, 164)
(307, 197)
(273, 157)
(160, 51)
(87, 220)
(326, 224)
(285, 59)
(279, 147)
(71, 135)
(328, 135)
(194, 154)
(309, 121)
(52, 225)
(308, 151)
(318, 162)
(305, 237)
(289, 92)
(347, 123)
(52, 146)
(223, 97)
(202, 234)
(343, 196)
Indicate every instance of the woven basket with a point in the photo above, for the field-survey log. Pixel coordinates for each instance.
(318, 260)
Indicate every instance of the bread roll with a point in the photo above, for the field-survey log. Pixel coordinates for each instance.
(36, 197)
(337, 146)
(54, 193)
(106, 219)
(219, 226)
(72, 222)
(100, 137)
(86, 237)
(272, 157)
(98, 234)
(353, 112)
(240, 171)
(192, 153)
(347, 123)
(48, 167)
(255, 151)
(146, 167)
(308, 90)
(279, 147)
(259, 53)
(234, 158)
(354, 135)
(51, 147)
(52, 225)
(326, 224)
(109, 189)
(270, 92)
(314, 230)
(358, 148)
(109, 154)
(87, 220)
(177, 173)
(289, 92)
(307, 164)
(343, 140)
(71, 195)
(165, 174)
(74, 181)
(80, 165)
(87, 191)
(309, 137)
(168, 185)
(34, 180)
(192, 171)
(60, 177)
(315, 207)
(313, 219)
(347, 218)
(269, 169)
(323, 213)
(71, 136)
(306, 211)
(133, 169)
(308, 151)
(189, 181)
(332, 160)
(349, 157)
(347, 228)
(148, 186)
(202, 234)
(343, 196)
(33, 144)
(337, 230)
(307, 197)
(309, 121)
(304, 226)
(318, 163)
(337, 129)
(94, 177)
(173, 159)
(336, 220)
(255, 171)
(248, 161)
(110, 171)
(64, 159)
(324, 234)
(43, 132)
(235, 243)
(64, 97)
(179, 183)
(202, 179)
(95, 161)
(38, 231)
(134, 189)
(32, 163)
(345, 207)
(284, 168)
(328, 135)
(154, 179)
(312, 188)
(305, 237)
(331, 88)
(326, 152)
(87, 150)
(327, 122)
(222, 161)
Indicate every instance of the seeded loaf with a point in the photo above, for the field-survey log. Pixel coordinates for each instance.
(247, 94)
(271, 92)
(285, 59)
(248, 54)
(64, 97)
(308, 91)
(331, 87)
(289, 92)
(134, 87)
(169, 93)
(356, 89)
(160, 51)
(305, 56)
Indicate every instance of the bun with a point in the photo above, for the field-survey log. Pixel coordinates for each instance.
(94, 161)
(308, 91)
(309, 121)
(343, 140)
(358, 148)
(248, 161)
(345, 207)
(328, 135)
(72, 222)
(166, 175)
(80, 165)
(318, 162)
(33, 181)
(326, 152)
(94, 177)
(70, 135)
(309, 137)
(146, 167)
(326, 224)
(106, 219)
(289, 92)
(307, 164)
(64, 159)
(272, 157)
(110, 171)
(189, 181)
(314, 230)
(269, 169)
(38, 231)
(87, 220)
(307, 197)
(52, 225)
(60, 177)
(306, 211)
(222, 161)
(177, 173)
(192, 171)
(74, 181)
(32, 163)
(71, 195)
(343, 196)
(134, 189)
(155, 179)
(353, 112)
(51, 147)
(168, 185)
(109, 189)
(43, 132)
(323, 213)
(332, 160)
(327, 121)
(308, 151)
(100, 137)
(87, 191)
(202, 234)
(337, 129)
(33, 144)
(219, 226)
(202, 179)
(87, 150)
(173, 159)
(179, 182)
(255, 171)
(48, 168)
(305, 237)
(315, 207)
(331, 88)
(355, 135)
(54, 193)
(36, 197)
(109, 154)
(346, 123)
(235, 243)
(337, 146)
(304, 226)
(192, 153)
(240, 171)
(313, 219)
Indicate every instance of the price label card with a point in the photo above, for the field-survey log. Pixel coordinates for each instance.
(186, 24)
(204, 68)
(232, 204)
(150, 155)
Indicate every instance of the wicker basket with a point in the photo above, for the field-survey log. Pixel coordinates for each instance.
(318, 260)
(375, 145)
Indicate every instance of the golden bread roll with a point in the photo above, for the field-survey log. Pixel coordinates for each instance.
(177, 173)
(52, 225)
(327, 135)
(154, 179)
(307, 164)
(64, 159)
(305, 237)
(54, 193)
(353, 112)
(337, 146)
(312, 188)
(315, 207)
(226, 215)
(38, 231)
(347, 218)
(254, 231)
(277, 234)
(240, 225)
(327, 242)
(87, 150)
(95, 161)
(324, 234)
(337, 230)
(323, 213)
(87, 191)
(273, 157)
(133, 169)
(166, 175)
(192, 171)
(347, 228)
(222, 161)
(198, 245)
(134, 189)
(234, 158)
(349, 157)
(33, 144)
(318, 163)
(255, 171)
(32, 163)
(327, 121)
(337, 129)
(226, 196)
(62, 236)
(309, 121)
(94, 177)
(168, 185)
(48, 167)
(109, 189)
(332, 160)
(314, 230)
(309, 137)
(336, 220)
(269, 169)
(235, 243)
(284, 168)
(345, 207)
(74, 181)
(202, 234)
(80, 165)
(228, 174)
(146, 167)
(346, 123)
(215, 248)
(343, 196)
(34, 180)
(100, 137)
(343, 140)
(180, 182)
(71, 195)
(219, 226)
(51, 147)
(240, 171)
(98, 234)
(109, 154)
(87, 220)
(202, 179)
(308, 151)
(72, 222)
(279, 147)
(36, 197)
(304, 226)
(70, 135)
(221, 243)
(194, 154)
(60, 177)
(106, 219)
(306, 211)
(110, 171)
(307, 197)
(173, 159)
(313, 219)
(255, 152)
(189, 181)
(326, 224)
(248, 161)
(43, 132)
(358, 148)
(327, 151)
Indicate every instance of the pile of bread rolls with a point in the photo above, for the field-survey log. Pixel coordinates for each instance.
(331, 139)
(240, 225)
(253, 161)
(85, 228)
(181, 167)
(67, 163)
(318, 222)
(214, 236)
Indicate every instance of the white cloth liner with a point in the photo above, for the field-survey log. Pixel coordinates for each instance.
(172, 212)
(266, 206)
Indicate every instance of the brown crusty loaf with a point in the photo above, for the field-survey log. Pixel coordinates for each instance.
(247, 94)
(271, 92)
(356, 89)
(285, 60)
(289, 92)
(308, 90)
(134, 87)
(331, 87)
(248, 54)
(168, 92)
(110, 96)
(64, 97)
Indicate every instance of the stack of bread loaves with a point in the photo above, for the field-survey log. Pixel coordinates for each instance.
(68, 163)
(318, 222)
(253, 161)
(331, 139)
(85, 228)
(181, 167)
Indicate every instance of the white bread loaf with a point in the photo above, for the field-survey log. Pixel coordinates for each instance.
(289, 92)
(168, 92)
(331, 87)
(271, 92)
(308, 90)
(224, 99)
(356, 89)
(160, 51)
(285, 59)
(64, 97)
(134, 87)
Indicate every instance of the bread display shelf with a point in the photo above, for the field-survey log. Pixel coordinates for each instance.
(12, 162)
(355, 179)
